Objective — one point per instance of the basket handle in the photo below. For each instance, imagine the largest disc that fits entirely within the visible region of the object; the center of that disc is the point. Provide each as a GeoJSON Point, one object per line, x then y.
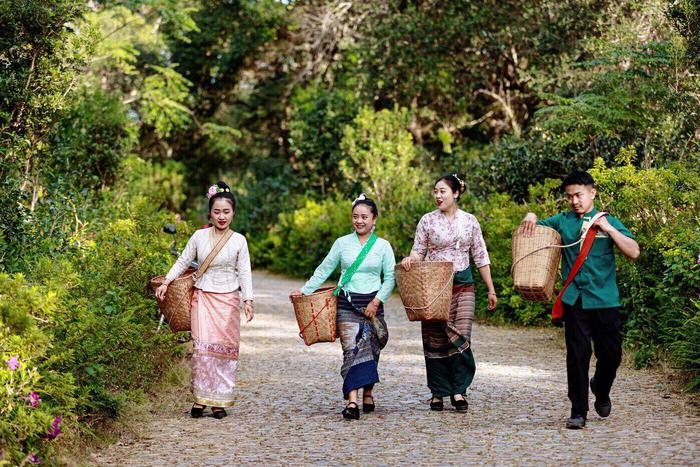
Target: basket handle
{"type": "Point", "coordinates": [313, 318]}
{"type": "Point", "coordinates": [543, 248]}
{"type": "Point", "coordinates": [447, 284]}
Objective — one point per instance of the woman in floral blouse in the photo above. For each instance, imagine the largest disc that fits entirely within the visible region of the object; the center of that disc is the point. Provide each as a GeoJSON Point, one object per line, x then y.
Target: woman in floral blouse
{"type": "Point", "coordinates": [450, 234]}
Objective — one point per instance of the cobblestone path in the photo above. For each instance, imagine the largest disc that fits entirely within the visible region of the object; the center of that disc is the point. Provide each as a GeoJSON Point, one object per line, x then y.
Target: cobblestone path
{"type": "Point", "coordinates": [289, 402]}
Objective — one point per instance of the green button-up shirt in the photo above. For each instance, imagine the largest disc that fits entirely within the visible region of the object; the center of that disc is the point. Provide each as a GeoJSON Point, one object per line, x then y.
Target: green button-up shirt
{"type": "Point", "coordinates": [368, 277]}
{"type": "Point", "coordinates": [596, 281]}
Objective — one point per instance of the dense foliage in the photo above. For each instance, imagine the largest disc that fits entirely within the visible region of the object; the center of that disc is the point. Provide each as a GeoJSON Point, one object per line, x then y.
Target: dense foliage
{"type": "Point", "coordinates": [115, 116]}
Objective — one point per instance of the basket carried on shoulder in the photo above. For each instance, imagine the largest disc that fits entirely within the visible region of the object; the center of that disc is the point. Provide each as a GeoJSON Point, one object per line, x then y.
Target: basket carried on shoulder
{"type": "Point", "coordinates": [426, 290]}
{"type": "Point", "coordinates": [536, 262]}
{"type": "Point", "coordinates": [178, 298]}
{"type": "Point", "coordinates": [316, 314]}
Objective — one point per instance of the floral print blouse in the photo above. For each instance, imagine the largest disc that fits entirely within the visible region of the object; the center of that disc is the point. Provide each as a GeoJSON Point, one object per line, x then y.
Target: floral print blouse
{"type": "Point", "coordinates": [439, 239]}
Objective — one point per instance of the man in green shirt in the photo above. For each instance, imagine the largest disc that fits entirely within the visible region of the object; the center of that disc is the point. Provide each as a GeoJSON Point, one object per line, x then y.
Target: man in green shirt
{"type": "Point", "coordinates": [591, 301]}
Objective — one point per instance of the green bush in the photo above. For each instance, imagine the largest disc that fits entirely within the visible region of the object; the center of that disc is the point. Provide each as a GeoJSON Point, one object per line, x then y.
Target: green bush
{"type": "Point", "coordinates": [80, 325]}
{"type": "Point", "coordinates": [302, 238]}
{"type": "Point", "coordinates": [34, 392]}
{"type": "Point", "coordinates": [87, 152]}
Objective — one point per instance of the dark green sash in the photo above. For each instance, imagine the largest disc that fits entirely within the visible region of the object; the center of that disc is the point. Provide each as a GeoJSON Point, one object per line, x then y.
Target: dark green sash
{"type": "Point", "coordinates": [356, 264]}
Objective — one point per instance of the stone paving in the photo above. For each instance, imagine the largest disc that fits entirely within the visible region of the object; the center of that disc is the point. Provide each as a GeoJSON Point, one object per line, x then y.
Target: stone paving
{"type": "Point", "coordinates": [289, 403]}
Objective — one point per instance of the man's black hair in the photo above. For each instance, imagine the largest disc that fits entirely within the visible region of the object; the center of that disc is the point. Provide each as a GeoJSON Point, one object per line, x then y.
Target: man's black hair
{"type": "Point", "coordinates": [577, 177]}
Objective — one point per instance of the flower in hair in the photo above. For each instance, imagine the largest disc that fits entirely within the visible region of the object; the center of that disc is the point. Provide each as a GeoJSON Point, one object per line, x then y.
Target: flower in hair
{"type": "Point", "coordinates": [362, 197]}
{"type": "Point", "coordinates": [214, 189]}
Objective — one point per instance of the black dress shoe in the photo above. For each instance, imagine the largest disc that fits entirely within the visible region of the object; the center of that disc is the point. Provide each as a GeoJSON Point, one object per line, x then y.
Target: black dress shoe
{"type": "Point", "coordinates": [436, 404]}
{"type": "Point", "coordinates": [351, 411]}
{"type": "Point", "coordinates": [218, 413]}
{"type": "Point", "coordinates": [461, 405]}
{"type": "Point", "coordinates": [576, 422]}
{"type": "Point", "coordinates": [196, 412]}
{"type": "Point", "coordinates": [602, 406]}
{"type": "Point", "coordinates": [367, 408]}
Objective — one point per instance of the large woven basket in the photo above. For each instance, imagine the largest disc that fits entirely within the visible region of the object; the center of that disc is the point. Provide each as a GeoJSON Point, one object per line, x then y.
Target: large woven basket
{"type": "Point", "coordinates": [426, 290]}
{"type": "Point", "coordinates": [177, 303]}
{"type": "Point", "coordinates": [316, 314]}
{"type": "Point", "coordinates": [535, 263]}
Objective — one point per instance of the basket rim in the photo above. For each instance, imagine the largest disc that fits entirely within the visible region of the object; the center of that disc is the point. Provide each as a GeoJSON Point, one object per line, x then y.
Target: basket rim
{"type": "Point", "coordinates": [419, 263]}
{"type": "Point", "coordinates": [515, 231]}
{"type": "Point", "coordinates": [319, 291]}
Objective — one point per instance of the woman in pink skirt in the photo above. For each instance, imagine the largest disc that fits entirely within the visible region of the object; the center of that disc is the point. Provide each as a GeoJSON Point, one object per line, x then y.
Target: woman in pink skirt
{"type": "Point", "coordinates": [216, 304]}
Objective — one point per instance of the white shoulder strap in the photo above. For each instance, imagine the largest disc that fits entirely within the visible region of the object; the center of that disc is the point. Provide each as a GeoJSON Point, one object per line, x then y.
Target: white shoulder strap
{"type": "Point", "coordinates": [587, 224]}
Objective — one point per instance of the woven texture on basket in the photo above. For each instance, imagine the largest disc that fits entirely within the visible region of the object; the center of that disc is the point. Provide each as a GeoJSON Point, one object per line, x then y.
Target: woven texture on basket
{"type": "Point", "coordinates": [535, 272]}
{"type": "Point", "coordinates": [178, 298]}
{"type": "Point", "coordinates": [316, 315]}
{"type": "Point", "coordinates": [426, 290]}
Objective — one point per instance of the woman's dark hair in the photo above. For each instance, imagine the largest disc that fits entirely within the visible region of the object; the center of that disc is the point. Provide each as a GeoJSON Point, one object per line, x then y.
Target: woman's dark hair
{"type": "Point", "coordinates": [224, 193]}
{"type": "Point", "coordinates": [362, 199]}
{"type": "Point", "coordinates": [577, 177]}
{"type": "Point", "coordinates": [455, 184]}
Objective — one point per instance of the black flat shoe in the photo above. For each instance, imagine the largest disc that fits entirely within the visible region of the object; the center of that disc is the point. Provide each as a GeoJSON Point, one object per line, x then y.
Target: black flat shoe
{"type": "Point", "coordinates": [602, 405]}
{"type": "Point", "coordinates": [436, 404]}
{"type": "Point", "coordinates": [367, 408]}
{"type": "Point", "coordinates": [351, 411]}
{"type": "Point", "coordinates": [461, 405]}
{"type": "Point", "coordinates": [197, 412]}
{"type": "Point", "coordinates": [218, 413]}
{"type": "Point", "coordinates": [576, 422]}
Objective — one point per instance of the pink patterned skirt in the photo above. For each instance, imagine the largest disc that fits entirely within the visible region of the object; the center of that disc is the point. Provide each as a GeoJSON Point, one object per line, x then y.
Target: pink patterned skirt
{"type": "Point", "coordinates": [216, 334]}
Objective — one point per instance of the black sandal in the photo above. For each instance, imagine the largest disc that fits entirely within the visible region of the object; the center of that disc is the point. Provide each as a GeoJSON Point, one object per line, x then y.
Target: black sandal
{"type": "Point", "coordinates": [351, 413]}
{"type": "Point", "coordinates": [436, 404]}
{"type": "Point", "coordinates": [460, 405]}
{"type": "Point", "coordinates": [218, 413]}
{"type": "Point", "coordinates": [197, 412]}
{"type": "Point", "coordinates": [366, 408]}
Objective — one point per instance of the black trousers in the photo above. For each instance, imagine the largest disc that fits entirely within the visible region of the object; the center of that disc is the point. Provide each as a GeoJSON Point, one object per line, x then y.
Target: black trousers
{"type": "Point", "coordinates": [604, 326]}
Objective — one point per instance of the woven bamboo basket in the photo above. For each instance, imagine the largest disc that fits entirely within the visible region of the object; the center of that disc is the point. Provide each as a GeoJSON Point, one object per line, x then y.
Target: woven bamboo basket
{"type": "Point", "coordinates": [535, 263]}
{"type": "Point", "coordinates": [177, 303]}
{"type": "Point", "coordinates": [316, 314]}
{"type": "Point", "coordinates": [426, 290]}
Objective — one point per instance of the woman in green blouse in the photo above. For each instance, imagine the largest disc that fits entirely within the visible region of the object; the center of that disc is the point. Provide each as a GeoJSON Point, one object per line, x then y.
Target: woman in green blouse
{"type": "Point", "coordinates": [364, 258]}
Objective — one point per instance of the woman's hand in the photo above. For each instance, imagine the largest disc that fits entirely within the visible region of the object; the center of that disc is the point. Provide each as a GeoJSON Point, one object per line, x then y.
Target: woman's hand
{"type": "Point", "coordinates": [248, 310]}
{"type": "Point", "coordinates": [408, 261]}
{"type": "Point", "coordinates": [372, 307]}
{"type": "Point", "coordinates": [493, 301]}
{"type": "Point", "coordinates": [160, 292]}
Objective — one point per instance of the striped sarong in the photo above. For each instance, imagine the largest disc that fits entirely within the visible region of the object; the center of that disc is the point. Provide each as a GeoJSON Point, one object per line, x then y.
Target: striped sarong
{"type": "Point", "coordinates": [362, 340]}
{"type": "Point", "coordinates": [449, 360]}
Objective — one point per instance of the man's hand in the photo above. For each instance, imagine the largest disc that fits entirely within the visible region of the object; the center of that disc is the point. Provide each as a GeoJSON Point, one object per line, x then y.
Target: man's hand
{"type": "Point", "coordinates": [604, 225]}
{"type": "Point", "coordinates": [527, 226]}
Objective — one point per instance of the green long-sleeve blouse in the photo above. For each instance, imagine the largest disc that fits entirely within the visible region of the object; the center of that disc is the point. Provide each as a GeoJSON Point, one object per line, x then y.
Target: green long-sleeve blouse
{"type": "Point", "coordinates": [379, 262]}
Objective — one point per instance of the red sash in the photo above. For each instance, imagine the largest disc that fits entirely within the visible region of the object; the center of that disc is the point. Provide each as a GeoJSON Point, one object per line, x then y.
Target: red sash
{"type": "Point", "coordinates": [558, 308]}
